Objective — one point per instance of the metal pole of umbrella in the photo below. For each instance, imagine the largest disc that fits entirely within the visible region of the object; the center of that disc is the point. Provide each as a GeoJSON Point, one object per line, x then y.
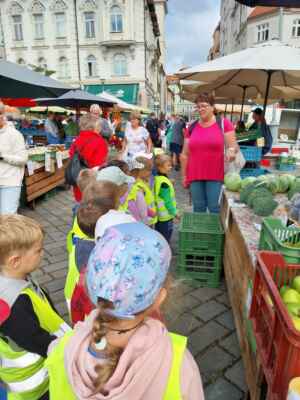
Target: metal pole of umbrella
{"type": "Point", "coordinates": [243, 102]}
{"type": "Point", "coordinates": [225, 111]}
{"type": "Point", "coordinates": [232, 109]}
{"type": "Point", "coordinates": [270, 73]}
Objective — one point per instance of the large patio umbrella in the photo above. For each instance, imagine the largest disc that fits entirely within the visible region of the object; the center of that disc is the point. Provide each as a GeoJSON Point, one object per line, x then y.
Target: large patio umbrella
{"type": "Point", "coordinates": [272, 64]}
{"type": "Point", "coordinates": [237, 94]}
{"type": "Point", "coordinates": [270, 3]}
{"type": "Point", "coordinates": [21, 82]}
{"type": "Point", "coordinates": [75, 99]}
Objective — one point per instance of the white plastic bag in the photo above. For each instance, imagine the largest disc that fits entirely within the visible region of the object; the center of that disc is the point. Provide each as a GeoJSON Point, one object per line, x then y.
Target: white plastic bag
{"type": "Point", "coordinates": [236, 165]}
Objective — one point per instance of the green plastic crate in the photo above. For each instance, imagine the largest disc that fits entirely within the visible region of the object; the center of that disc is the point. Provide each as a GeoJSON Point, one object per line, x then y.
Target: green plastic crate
{"type": "Point", "coordinates": [274, 236]}
{"type": "Point", "coordinates": [200, 269]}
{"type": "Point", "coordinates": [201, 232]}
{"type": "Point", "coordinates": [247, 136]}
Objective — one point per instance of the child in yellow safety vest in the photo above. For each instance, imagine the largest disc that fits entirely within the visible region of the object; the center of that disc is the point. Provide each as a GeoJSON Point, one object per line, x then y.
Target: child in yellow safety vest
{"type": "Point", "coordinates": [85, 178]}
{"type": "Point", "coordinates": [28, 321]}
{"type": "Point", "coordinates": [97, 199]}
{"type": "Point", "coordinates": [164, 196]}
{"type": "Point", "coordinates": [119, 351]}
{"type": "Point", "coordinates": [139, 200]}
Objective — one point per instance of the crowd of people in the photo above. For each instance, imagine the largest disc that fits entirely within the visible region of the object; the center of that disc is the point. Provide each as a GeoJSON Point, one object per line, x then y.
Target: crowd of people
{"type": "Point", "coordinates": [117, 345]}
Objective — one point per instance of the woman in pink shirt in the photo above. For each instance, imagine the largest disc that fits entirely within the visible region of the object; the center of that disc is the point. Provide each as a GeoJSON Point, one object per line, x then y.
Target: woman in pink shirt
{"type": "Point", "coordinates": [203, 155]}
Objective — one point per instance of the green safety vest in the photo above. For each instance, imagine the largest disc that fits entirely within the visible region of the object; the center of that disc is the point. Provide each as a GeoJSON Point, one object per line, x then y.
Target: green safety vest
{"type": "Point", "coordinates": [59, 380]}
{"type": "Point", "coordinates": [163, 214]}
{"type": "Point", "coordinates": [149, 198]}
{"type": "Point", "coordinates": [75, 231]}
{"type": "Point", "coordinates": [23, 372]}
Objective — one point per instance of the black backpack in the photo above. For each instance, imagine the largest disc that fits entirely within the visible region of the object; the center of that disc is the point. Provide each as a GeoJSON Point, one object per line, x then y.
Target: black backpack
{"type": "Point", "coordinates": [219, 121]}
{"type": "Point", "coordinates": [75, 165]}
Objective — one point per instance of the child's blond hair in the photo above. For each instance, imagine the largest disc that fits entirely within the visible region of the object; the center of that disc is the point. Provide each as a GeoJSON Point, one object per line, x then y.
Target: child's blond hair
{"type": "Point", "coordinates": [18, 234]}
{"type": "Point", "coordinates": [161, 160]}
{"type": "Point", "coordinates": [85, 177]}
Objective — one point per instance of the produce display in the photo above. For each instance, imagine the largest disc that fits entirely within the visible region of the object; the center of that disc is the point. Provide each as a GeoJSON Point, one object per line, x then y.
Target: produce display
{"type": "Point", "coordinates": [291, 298]}
{"type": "Point", "coordinates": [258, 193]}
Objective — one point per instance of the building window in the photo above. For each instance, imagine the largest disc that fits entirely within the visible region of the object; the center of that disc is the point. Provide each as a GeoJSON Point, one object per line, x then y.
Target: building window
{"type": "Point", "coordinates": [38, 26]}
{"type": "Point", "coordinates": [296, 28]}
{"type": "Point", "coordinates": [263, 32]}
{"type": "Point", "coordinates": [89, 24]}
{"type": "Point", "coordinates": [21, 61]}
{"type": "Point", "coordinates": [116, 20]}
{"type": "Point", "coordinates": [42, 63]}
{"type": "Point", "coordinates": [18, 27]}
{"type": "Point", "coordinates": [60, 24]}
{"type": "Point", "coordinates": [120, 64]}
{"type": "Point", "coordinates": [63, 68]}
{"type": "Point", "coordinates": [92, 66]}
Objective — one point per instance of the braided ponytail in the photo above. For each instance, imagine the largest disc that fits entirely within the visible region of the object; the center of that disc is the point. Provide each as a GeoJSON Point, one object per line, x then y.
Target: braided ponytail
{"type": "Point", "coordinates": [112, 353]}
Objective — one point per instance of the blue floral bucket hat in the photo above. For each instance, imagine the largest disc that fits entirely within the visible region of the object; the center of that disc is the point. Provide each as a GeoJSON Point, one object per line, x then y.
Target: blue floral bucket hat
{"type": "Point", "coordinates": [128, 267]}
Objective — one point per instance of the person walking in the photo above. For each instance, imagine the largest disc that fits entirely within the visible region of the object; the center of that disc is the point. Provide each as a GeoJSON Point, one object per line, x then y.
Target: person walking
{"type": "Point", "coordinates": [13, 158]}
{"type": "Point", "coordinates": [152, 126]}
{"type": "Point", "coordinates": [203, 158]}
{"type": "Point", "coordinates": [137, 139]}
{"type": "Point", "coordinates": [90, 145]}
{"type": "Point", "coordinates": [178, 132]}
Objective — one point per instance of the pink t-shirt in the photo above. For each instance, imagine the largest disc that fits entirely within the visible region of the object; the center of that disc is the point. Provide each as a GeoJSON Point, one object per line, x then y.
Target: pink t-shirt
{"type": "Point", "coordinates": [206, 153]}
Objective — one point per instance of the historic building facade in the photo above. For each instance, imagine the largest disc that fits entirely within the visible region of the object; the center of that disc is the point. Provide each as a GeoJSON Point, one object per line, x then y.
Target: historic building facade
{"type": "Point", "coordinates": [112, 45]}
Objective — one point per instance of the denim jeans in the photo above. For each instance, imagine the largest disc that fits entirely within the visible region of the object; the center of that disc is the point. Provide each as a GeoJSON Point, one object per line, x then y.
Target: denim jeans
{"type": "Point", "coordinates": [205, 195]}
{"type": "Point", "coordinates": [165, 229]}
{"type": "Point", "coordinates": [9, 199]}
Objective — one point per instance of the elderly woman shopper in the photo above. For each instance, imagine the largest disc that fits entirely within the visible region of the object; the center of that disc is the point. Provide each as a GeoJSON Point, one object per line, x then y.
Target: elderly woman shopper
{"type": "Point", "coordinates": [90, 145]}
{"type": "Point", "coordinates": [137, 139]}
{"type": "Point", "coordinates": [13, 157]}
{"type": "Point", "coordinates": [207, 143]}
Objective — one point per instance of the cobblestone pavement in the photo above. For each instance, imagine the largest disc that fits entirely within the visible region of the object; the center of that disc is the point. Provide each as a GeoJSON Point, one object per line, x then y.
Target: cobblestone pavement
{"type": "Point", "coordinates": [203, 314]}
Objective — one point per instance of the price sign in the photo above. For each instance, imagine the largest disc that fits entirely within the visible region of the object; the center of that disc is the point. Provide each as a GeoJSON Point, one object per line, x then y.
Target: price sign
{"type": "Point", "coordinates": [30, 167]}
{"type": "Point", "coordinates": [47, 162]}
{"type": "Point", "coordinates": [59, 159]}
{"type": "Point", "coordinates": [260, 142]}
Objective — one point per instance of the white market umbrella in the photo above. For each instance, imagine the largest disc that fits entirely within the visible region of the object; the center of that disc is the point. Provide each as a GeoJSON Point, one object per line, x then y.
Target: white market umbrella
{"type": "Point", "coordinates": [118, 102]}
{"type": "Point", "coordinates": [237, 94]}
{"type": "Point", "coordinates": [272, 64]}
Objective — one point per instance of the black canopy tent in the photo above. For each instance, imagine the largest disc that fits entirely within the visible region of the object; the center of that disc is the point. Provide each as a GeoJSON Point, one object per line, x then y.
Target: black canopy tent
{"type": "Point", "coordinates": [271, 3]}
{"type": "Point", "coordinates": [17, 82]}
{"type": "Point", "coordinates": [75, 99]}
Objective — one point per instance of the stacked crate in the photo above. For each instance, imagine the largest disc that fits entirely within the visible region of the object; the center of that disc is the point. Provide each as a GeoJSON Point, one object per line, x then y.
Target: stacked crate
{"type": "Point", "coordinates": [201, 247]}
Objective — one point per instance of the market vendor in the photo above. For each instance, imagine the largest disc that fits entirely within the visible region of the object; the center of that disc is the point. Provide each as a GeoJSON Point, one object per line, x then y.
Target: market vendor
{"type": "Point", "coordinates": [51, 129]}
{"type": "Point", "coordinates": [260, 123]}
{"type": "Point", "coordinates": [13, 158]}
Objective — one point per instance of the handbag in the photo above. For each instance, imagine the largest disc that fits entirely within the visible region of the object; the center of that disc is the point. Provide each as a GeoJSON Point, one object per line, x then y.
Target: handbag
{"type": "Point", "coordinates": [75, 165]}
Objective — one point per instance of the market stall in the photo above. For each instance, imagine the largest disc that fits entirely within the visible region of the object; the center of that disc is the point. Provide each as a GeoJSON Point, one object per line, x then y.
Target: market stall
{"type": "Point", "coordinates": [45, 170]}
{"type": "Point", "coordinates": [245, 234]}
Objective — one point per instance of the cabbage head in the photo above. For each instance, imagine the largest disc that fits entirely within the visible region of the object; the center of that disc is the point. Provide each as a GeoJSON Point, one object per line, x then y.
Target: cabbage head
{"type": "Point", "coordinates": [233, 182]}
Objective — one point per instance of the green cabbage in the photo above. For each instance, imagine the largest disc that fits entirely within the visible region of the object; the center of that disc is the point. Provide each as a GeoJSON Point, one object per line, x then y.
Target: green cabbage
{"type": "Point", "coordinates": [233, 182]}
{"type": "Point", "coordinates": [283, 183]}
{"type": "Point", "coordinates": [247, 181]}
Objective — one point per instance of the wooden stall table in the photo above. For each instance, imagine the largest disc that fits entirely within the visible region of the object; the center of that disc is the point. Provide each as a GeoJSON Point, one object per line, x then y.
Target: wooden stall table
{"type": "Point", "coordinates": [242, 231]}
{"type": "Point", "coordinates": [38, 181]}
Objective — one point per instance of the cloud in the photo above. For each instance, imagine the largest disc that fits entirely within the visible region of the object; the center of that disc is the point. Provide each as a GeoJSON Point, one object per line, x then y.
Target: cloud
{"type": "Point", "coordinates": [189, 28]}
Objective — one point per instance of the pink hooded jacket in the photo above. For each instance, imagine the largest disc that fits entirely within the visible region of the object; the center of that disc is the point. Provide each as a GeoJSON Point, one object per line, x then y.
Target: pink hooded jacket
{"type": "Point", "coordinates": [142, 372]}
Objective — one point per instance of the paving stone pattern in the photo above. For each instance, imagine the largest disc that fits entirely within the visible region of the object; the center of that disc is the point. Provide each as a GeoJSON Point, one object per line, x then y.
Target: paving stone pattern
{"type": "Point", "coordinates": [203, 314]}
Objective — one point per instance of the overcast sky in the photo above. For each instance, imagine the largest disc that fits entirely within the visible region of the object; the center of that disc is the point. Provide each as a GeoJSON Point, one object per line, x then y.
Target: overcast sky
{"type": "Point", "coordinates": [190, 25]}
